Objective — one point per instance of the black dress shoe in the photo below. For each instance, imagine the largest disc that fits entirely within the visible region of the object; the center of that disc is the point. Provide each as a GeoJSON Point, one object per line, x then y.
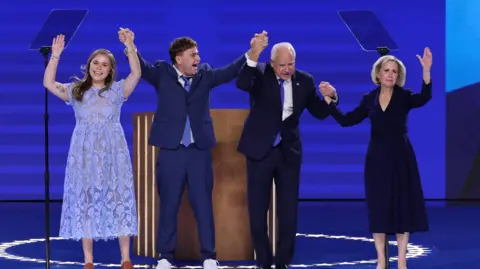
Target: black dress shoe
{"type": "Point", "coordinates": [281, 266]}
{"type": "Point", "coordinates": [265, 266]}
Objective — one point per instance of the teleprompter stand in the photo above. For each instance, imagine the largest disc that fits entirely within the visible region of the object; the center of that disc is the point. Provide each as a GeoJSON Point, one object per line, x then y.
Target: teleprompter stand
{"type": "Point", "coordinates": [59, 21]}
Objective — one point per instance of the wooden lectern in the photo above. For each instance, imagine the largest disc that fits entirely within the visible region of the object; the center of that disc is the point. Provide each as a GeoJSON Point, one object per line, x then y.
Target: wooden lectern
{"type": "Point", "coordinates": [232, 230]}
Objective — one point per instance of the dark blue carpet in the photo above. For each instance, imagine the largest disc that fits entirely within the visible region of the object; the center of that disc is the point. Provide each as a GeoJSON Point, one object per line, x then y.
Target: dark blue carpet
{"type": "Point", "coordinates": [331, 235]}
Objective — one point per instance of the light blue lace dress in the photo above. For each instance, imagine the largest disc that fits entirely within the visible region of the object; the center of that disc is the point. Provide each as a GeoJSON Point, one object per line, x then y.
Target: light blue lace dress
{"type": "Point", "coordinates": [99, 197]}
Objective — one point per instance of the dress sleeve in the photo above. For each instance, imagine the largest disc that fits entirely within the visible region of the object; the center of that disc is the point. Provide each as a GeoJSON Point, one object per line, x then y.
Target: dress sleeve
{"type": "Point", "coordinates": [417, 100]}
{"type": "Point", "coordinates": [69, 88]}
{"type": "Point", "coordinates": [354, 117]}
{"type": "Point", "coordinates": [117, 87]}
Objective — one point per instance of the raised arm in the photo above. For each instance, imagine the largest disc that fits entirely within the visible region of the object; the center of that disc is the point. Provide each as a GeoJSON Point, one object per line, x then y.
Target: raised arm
{"type": "Point", "coordinates": [354, 117]}
{"type": "Point", "coordinates": [317, 107]}
{"type": "Point", "coordinates": [251, 74]}
{"type": "Point", "coordinates": [135, 72]}
{"type": "Point", "coordinates": [227, 73]}
{"type": "Point", "coordinates": [149, 72]}
{"type": "Point", "coordinates": [417, 100]}
{"type": "Point", "coordinates": [49, 81]}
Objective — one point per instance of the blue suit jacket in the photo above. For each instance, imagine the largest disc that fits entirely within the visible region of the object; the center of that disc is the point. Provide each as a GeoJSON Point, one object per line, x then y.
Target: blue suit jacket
{"type": "Point", "coordinates": [175, 103]}
{"type": "Point", "coordinates": [264, 121]}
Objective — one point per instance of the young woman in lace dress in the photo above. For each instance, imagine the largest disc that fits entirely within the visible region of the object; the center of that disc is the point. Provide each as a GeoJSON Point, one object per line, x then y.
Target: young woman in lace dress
{"type": "Point", "coordinates": [99, 198]}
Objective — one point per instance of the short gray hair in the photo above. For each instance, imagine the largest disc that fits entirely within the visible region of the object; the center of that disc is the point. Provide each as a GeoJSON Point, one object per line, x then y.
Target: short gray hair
{"type": "Point", "coordinates": [275, 47]}
{"type": "Point", "coordinates": [402, 71]}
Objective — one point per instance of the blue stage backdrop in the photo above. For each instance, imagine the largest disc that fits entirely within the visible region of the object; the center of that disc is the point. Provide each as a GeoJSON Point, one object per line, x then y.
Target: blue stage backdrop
{"type": "Point", "coordinates": [463, 99]}
{"type": "Point", "coordinates": [333, 156]}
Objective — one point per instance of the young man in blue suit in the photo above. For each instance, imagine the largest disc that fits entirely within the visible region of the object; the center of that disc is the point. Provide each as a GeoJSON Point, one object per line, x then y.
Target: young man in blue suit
{"type": "Point", "coordinates": [271, 142]}
{"type": "Point", "coordinates": [182, 129]}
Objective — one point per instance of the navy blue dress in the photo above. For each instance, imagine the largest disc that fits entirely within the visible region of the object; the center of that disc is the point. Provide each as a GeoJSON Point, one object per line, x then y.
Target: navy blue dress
{"type": "Point", "coordinates": [393, 189]}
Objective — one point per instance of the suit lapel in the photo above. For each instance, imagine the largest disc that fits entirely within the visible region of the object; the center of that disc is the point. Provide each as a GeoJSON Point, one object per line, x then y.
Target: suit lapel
{"type": "Point", "coordinates": [172, 72]}
{"type": "Point", "coordinates": [274, 85]}
{"type": "Point", "coordinates": [195, 81]}
{"type": "Point", "coordinates": [295, 92]}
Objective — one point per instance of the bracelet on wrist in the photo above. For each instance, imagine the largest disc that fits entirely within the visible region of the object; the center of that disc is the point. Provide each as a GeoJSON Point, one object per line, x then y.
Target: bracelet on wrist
{"type": "Point", "coordinates": [127, 51]}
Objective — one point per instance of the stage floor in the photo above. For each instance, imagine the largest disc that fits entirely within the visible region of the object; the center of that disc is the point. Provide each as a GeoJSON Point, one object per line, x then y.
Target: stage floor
{"type": "Point", "coordinates": [331, 235]}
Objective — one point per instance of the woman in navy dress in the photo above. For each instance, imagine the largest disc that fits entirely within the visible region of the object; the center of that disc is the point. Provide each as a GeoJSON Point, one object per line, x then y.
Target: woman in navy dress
{"type": "Point", "coordinates": [393, 188]}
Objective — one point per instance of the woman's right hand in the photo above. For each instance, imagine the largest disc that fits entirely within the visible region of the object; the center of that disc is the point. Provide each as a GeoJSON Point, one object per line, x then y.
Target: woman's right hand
{"type": "Point", "coordinates": [326, 90]}
{"type": "Point", "coordinates": [328, 100]}
{"type": "Point", "coordinates": [57, 45]}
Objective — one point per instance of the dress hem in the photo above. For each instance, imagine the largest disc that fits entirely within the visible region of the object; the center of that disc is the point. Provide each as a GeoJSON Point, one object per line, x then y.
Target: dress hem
{"type": "Point", "coordinates": [400, 232]}
{"type": "Point", "coordinates": [98, 238]}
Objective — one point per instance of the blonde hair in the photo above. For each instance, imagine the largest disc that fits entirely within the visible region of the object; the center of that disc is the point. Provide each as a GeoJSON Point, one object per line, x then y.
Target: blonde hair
{"type": "Point", "coordinates": [402, 71]}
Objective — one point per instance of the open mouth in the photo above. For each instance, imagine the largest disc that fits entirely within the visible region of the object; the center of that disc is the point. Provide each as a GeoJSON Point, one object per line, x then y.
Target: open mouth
{"type": "Point", "coordinates": [195, 65]}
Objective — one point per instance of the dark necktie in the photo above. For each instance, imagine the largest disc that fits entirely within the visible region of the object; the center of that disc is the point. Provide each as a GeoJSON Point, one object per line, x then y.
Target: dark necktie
{"type": "Point", "coordinates": [186, 140]}
{"type": "Point", "coordinates": [282, 94]}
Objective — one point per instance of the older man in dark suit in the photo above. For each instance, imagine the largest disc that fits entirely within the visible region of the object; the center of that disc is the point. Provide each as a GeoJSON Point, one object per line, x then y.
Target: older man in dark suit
{"type": "Point", "coordinates": [271, 142]}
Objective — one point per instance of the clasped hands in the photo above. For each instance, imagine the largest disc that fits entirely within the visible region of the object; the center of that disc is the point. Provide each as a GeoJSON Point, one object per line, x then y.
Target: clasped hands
{"type": "Point", "coordinates": [328, 91]}
{"type": "Point", "coordinates": [260, 41]}
{"type": "Point", "coordinates": [126, 36]}
{"type": "Point", "coordinates": [257, 44]}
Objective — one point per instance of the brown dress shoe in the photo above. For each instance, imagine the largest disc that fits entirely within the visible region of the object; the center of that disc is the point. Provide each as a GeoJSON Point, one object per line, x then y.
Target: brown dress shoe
{"type": "Point", "coordinates": [127, 265]}
{"type": "Point", "coordinates": [88, 266]}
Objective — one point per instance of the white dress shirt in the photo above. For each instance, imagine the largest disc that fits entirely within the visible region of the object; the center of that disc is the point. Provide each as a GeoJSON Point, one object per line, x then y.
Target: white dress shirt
{"type": "Point", "coordinates": [287, 94]}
